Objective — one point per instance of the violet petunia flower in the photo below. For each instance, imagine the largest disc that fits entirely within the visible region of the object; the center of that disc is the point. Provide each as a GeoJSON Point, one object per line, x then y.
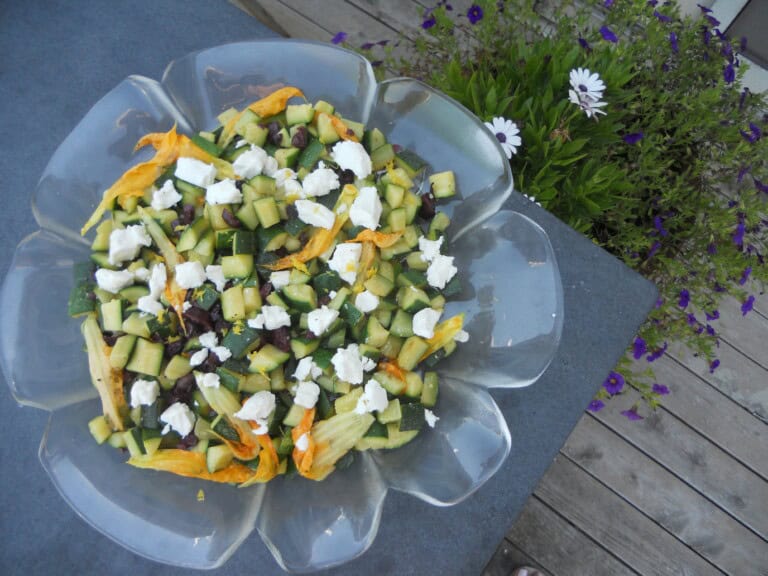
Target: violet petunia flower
{"type": "Point", "coordinates": [691, 319]}
{"type": "Point", "coordinates": [584, 44]}
{"type": "Point", "coordinates": [658, 223]}
{"type": "Point", "coordinates": [707, 35]}
{"type": "Point", "coordinates": [713, 21]}
{"type": "Point", "coordinates": [653, 3]}
{"type": "Point", "coordinates": [713, 365]}
{"type": "Point", "coordinates": [743, 172]}
{"type": "Point", "coordinates": [654, 248]}
{"type": "Point", "coordinates": [608, 3]}
{"type": "Point", "coordinates": [429, 22]}
{"type": "Point", "coordinates": [738, 235]}
{"type": "Point", "coordinates": [714, 315]}
{"type": "Point", "coordinates": [367, 46]}
{"type": "Point", "coordinates": [704, 9]}
{"type": "Point", "coordinates": [614, 383]}
{"type": "Point", "coordinates": [475, 14]}
{"type": "Point", "coordinates": [633, 138]}
{"type": "Point", "coordinates": [747, 305]}
{"type": "Point", "coordinates": [632, 414]}
{"type": "Point", "coordinates": [755, 133]}
{"type": "Point", "coordinates": [711, 331]}
{"type": "Point", "coordinates": [745, 275]}
{"type": "Point", "coordinates": [653, 356]}
{"type": "Point", "coordinates": [743, 98]}
{"type": "Point", "coordinates": [761, 186]}
{"type": "Point", "coordinates": [596, 405]}
{"type": "Point", "coordinates": [743, 44]}
{"type": "Point", "coordinates": [339, 38]}
{"type": "Point", "coordinates": [729, 74]}
{"type": "Point", "coordinates": [608, 34]}
{"type": "Point", "coordinates": [660, 389]}
{"type": "Point", "coordinates": [685, 299]}
{"type": "Point", "coordinates": [673, 42]}
{"type": "Point", "coordinates": [662, 17]}
{"type": "Point", "coordinates": [639, 348]}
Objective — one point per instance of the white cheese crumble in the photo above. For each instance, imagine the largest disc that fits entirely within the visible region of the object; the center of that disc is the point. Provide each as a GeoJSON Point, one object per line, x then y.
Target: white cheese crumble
{"type": "Point", "coordinates": [207, 379]}
{"type": "Point", "coordinates": [210, 341]}
{"type": "Point", "coordinates": [366, 302]}
{"type": "Point", "coordinates": [157, 280]}
{"type": "Point", "coordinates": [319, 320]}
{"type": "Point", "coordinates": [186, 306]}
{"type": "Point", "coordinates": [332, 294]}
{"type": "Point", "coordinates": [307, 394]}
{"type": "Point", "coordinates": [144, 392]}
{"type": "Point", "coordinates": [352, 156]}
{"type": "Point", "coordinates": [270, 318]}
{"type": "Point", "coordinates": [320, 182]}
{"type": "Point", "coordinates": [178, 417]}
{"type": "Point", "coordinates": [198, 357]}
{"type": "Point", "coordinates": [430, 417]}
{"type": "Point", "coordinates": [113, 280]}
{"type": "Point", "coordinates": [280, 280]}
{"type": "Point", "coordinates": [141, 274]}
{"type": "Point", "coordinates": [366, 208]}
{"type": "Point", "coordinates": [250, 163]}
{"type": "Point", "coordinates": [125, 243]}
{"type": "Point", "coordinates": [257, 409]}
{"type": "Point", "coordinates": [429, 248]}
{"type": "Point", "coordinates": [424, 322]}
{"type": "Point", "coordinates": [345, 259]}
{"type": "Point", "coordinates": [190, 275]}
{"type": "Point", "coordinates": [165, 197]}
{"type": "Point", "coordinates": [307, 370]}
{"type": "Point", "coordinates": [461, 336]}
{"type": "Point", "coordinates": [195, 172]}
{"type": "Point", "coordinates": [223, 192]}
{"type": "Point", "coordinates": [285, 180]}
{"type": "Point", "coordinates": [302, 443]}
{"type": "Point", "coordinates": [315, 214]}
{"type": "Point", "coordinates": [349, 364]}
{"type": "Point", "coordinates": [149, 305]}
{"type": "Point", "coordinates": [440, 271]}
{"type": "Point", "coordinates": [374, 398]}
{"type": "Point", "coordinates": [215, 274]}
{"type": "Point", "coordinates": [270, 167]}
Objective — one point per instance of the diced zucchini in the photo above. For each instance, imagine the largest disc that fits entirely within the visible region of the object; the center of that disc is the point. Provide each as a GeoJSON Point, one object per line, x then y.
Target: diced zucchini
{"type": "Point", "coordinates": [373, 139]}
{"type": "Point", "coordinates": [299, 114]}
{"type": "Point", "coordinates": [233, 304]}
{"type": "Point", "coordinates": [302, 347]}
{"type": "Point", "coordinates": [294, 415]}
{"type": "Point", "coordinates": [334, 438]}
{"type": "Point", "coordinates": [391, 413]}
{"type": "Point", "coordinates": [267, 359]}
{"type": "Point", "coordinates": [287, 157]}
{"type": "Point", "coordinates": [382, 156]}
{"type": "Point", "coordinates": [147, 357]}
{"type": "Point", "coordinates": [376, 334]}
{"type": "Point", "coordinates": [438, 225]}
{"type": "Point", "coordinates": [134, 442]}
{"type": "Point", "coordinates": [100, 429]}
{"type": "Point", "coordinates": [205, 296]}
{"type": "Point", "coordinates": [266, 211]}
{"type": "Point", "coordinates": [413, 384]}
{"type": "Point", "coordinates": [218, 457]}
{"type": "Point", "coordinates": [302, 297]}
{"type": "Point", "coordinates": [412, 299]}
{"type": "Point", "coordinates": [411, 352]}
{"type": "Point", "coordinates": [177, 367]}
{"type": "Point", "coordinates": [243, 242]}
{"type": "Point", "coordinates": [402, 324]}
{"type": "Point", "coordinates": [240, 340]}
{"type": "Point", "coordinates": [348, 402]}
{"type": "Point", "coordinates": [311, 154]}
{"type": "Point", "coordinates": [429, 390]}
{"type": "Point", "coordinates": [412, 417]}
{"type": "Point", "coordinates": [137, 325]}
{"type": "Point", "coordinates": [192, 234]}
{"type": "Point", "coordinates": [326, 132]}
{"type": "Point", "coordinates": [390, 382]}
{"type": "Point", "coordinates": [121, 351]}
{"type": "Point", "coordinates": [443, 184]}
{"type": "Point", "coordinates": [239, 266]}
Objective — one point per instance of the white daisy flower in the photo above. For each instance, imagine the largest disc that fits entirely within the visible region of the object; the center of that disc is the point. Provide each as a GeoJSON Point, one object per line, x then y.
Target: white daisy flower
{"type": "Point", "coordinates": [587, 84]}
{"type": "Point", "coordinates": [506, 133]}
{"type": "Point", "coordinates": [590, 107]}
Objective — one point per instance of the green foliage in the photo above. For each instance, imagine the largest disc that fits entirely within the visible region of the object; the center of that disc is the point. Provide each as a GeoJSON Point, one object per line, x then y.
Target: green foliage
{"type": "Point", "coordinates": [669, 205]}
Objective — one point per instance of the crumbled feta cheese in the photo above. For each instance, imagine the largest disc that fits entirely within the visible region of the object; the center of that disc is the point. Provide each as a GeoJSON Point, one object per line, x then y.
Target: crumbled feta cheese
{"type": "Point", "coordinates": [209, 339]}
{"type": "Point", "coordinates": [141, 273]}
{"type": "Point", "coordinates": [430, 417]}
{"type": "Point", "coordinates": [186, 306]}
{"type": "Point", "coordinates": [149, 305]}
{"type": "Point", "coordinates": [366, 208]}
{"type": "Point", "coordinates": [374, 398]}
{"type": "Point", "coordinates": [270, 167]}
{"type": "Point", "coordinates": [125, 243]}
{"type": "Point", "coordinates": [352, 156]}
{"type": "Point", "coordinates": [424, 322]}
{"type": "Point", "coordinates": [319, 320]}
{"type": "Point", "coordinates": [270, 318]}
{"type": "Point", "coordinates": [195, 172]}
{"type": "Point", "coordinates": [157, 280]}
{"type": "Point", "coordinates": [280, 280]}
{"type": "Point", "coordinates": [332, 294]}
{"type": "Point", "coordinates": [224, 192]}
{"type": "Point", "coordinates": [320, 182]}
{"type": "Point", "coordinates": [113, 280]}
{"type": "Point", "coordinates": [368, 363]}
{"type": "Point", "coordinates": [190, 275]}
{"type": "Point", "coordinates": [366, 302]}
{"type": "Point", "coordinates": [349, 364]}
{"type": "Point", "coordinates": [306, 370]}
{"type": "Point", "coordinates": [240, 143]}
{"type": "Point", "coordinates": [144, 392]}
{"type": "Point", "coordinates": [302, 443]}
{"type": "Point", "coordinates": [207, 379]}
{"type": "Point", "coordinates": [165, 197]}
{"type": "Point", "coordinates": [210, 342]}
{"type": "Point", "coordinates": [250, 163]}
{"type": "Point", "coordinates": [258, 408]}
{"type": "Point", "coordinates": [315, 214]}
{"type": "Point", "coordinates": [198, 357]}
{"type": "Point", "coordinates": [440, 271]}
{"type": "Point", "coordinates": [345, 259]}
{"type": "Point", "coordinates": [215, 274]}
{"type": "Point", "coordinates": [429, 248]}
{"type": "Point", "coordinates": [293, 189]}
{"type": "Point", "coordinates": [282, 176]}
{"type": "Point", "coordinates": [307, 394]}
{"type": "Point", "coordinates": [178, 417]}
{"type": "Point", "coordinates": [461, 336]}
{"type": "Point", "coordinates": [222, 352]}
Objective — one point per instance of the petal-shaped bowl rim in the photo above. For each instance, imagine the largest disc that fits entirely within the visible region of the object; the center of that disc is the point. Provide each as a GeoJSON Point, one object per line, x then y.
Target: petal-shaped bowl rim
{"type": "Point", "coordinates": [371, 98]}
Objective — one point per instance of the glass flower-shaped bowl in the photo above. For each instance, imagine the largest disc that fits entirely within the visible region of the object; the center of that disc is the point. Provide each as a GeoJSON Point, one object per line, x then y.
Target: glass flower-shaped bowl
{"type": "Point", "coordinates": [512, 298]}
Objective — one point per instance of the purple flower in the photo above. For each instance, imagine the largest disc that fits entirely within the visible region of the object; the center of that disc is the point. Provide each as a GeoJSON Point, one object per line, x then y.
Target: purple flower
{"type": "Point", "coordinates": [743, 98]}
{"type": "Point", "coordinates": [743, 172]}
{"type": "Point", "coordinates": [653, 3]}
{"type": "Point", "coordinates": [738, 235]}
{"type": "Point", "coordinates": [632, 414]}
{"type": "Point", "coordinates": [475, 14]}
{"type": "Point", "coordinates": [608, 34]}
{"type": "Point", "coordinates": [743, 44]}
{"type": "Point", "coordinates": [715, 22]}
{"type": "Point", "coordinates": [704, 9]}
{"type": "Point", "coordinates": [691, 319]}
{"type": "Point", "coordinates": [685, 298]}
{"type": "Point", "coordinates": [707, 35]}
{"type": "Point", "coordinates": [367, 46]}
{"type": "Point", "coordinates": [729, 74]}
{"type": "Point", "coordinates": [711, 331]}
{"type": "Point", "coordinates": [660, 389]}
{"type": "Point", "coordinates": [727, 51]}
{"type": "Point", "coordinates": [745, 275]}
{"type": "Point", "coordinates": [596, 406]}
{"type": "Point", "coordinates": [654, 248]}
{"type": "Point", "coordinates": [633, 138]}
{"type": "Point", "coordinates": [658, 223]}
{"type": "Point", "coordinates": [382, 42]}
{"type": "Point", "coordinates": [659, 303]}
{"type": "Point", "coordinates": [662, 17]}
{"type": "Point", "coordinates": [713, 365]}
{"type": "Point", "coordinates": [711, 248]}
{"type": "Point", "coordinates": [614, 383]}
{"type": "Point", "coordinates": [639, 348]}
{"type": "Point", "coordinates": [653, 356]}
{"type": "Point", "coordinates": [339, 38]}
{"type": "Point", "coordinates": [377, 63]}
{"type": "Point", "coordinates": [429, 22]}
{"type": "Point", "coordinates": [608, 3]}
{"type": "Point", "coordinates": [762, 187]}
{"type": "Point", "coordinates": [755, 133]}
{"type": "Point", "coordinates": [714, 315]}
{"type": "Point", "coordinates": [584, 44]}
{"type": "Point", "coordinates": [747, 306]}
{"type": "Point", "coordinates": [673, 42]}
{"type": "Point", "coordinates": [718, 288]}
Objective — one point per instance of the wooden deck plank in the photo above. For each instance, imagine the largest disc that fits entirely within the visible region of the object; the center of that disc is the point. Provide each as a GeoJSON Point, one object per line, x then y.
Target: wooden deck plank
{"type": "Point", "coordinates": [620, 528]}
{"type": "Point", "coordinates": [402, 15]}
{"type": "Point", "coordinates": [745, 333]}
{"type": "Point", "coordinates": [741, 379]}
{"type": "Point", "coordinates": [506, 558]}
{"type": "Point", "coordinates": [282, 19]}
{"type": "Point", "coordinates": [714, 416]}
{"type": "Point", "coordinates": [698, 462]}
{"type": "Point", "coordinates": [665, 499]}
{"type": "Point", "coordinates": [559, 547]}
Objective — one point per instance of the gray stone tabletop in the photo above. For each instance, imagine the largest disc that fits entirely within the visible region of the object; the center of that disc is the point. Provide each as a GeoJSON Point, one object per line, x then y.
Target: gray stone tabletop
{"type": "Point", "coordinates": [59, 58]}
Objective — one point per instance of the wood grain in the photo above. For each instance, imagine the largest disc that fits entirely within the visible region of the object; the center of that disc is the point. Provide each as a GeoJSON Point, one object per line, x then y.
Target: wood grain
{"type": "Point", "coordinates": [283, 20]}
